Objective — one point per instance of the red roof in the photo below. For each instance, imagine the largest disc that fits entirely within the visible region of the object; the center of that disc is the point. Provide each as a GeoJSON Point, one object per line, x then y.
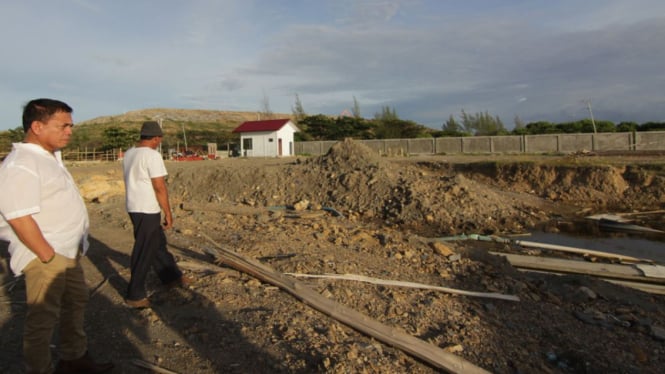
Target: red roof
{"type": "Point", "coordinates": [267, 125]}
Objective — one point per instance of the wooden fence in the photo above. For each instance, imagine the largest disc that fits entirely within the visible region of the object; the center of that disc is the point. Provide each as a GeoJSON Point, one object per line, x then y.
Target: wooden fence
{"type": "Point", "coordinates": [84, 155]}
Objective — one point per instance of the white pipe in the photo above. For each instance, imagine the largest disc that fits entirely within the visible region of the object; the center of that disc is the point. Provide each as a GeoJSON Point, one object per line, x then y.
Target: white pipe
{"type": "Point", "coordinates": [564, 248]}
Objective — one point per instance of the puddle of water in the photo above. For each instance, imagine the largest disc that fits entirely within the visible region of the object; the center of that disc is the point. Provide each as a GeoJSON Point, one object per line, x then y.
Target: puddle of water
{"type": "Point", "coordinates": [588, 235]}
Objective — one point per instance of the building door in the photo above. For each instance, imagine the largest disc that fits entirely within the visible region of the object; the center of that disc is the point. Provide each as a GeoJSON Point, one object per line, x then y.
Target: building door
{"type": "Point", "coordinates": [279, 147]}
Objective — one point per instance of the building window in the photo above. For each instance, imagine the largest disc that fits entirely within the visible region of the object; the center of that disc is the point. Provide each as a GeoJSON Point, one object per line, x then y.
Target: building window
{"type": "Point", "coordinates": [247, 143]}
{"type": "Point", "coordinates": [269, 140]}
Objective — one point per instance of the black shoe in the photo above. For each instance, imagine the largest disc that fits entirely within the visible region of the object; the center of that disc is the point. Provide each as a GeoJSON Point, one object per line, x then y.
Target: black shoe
{"type": "Point", "coordinates": [82, 365]}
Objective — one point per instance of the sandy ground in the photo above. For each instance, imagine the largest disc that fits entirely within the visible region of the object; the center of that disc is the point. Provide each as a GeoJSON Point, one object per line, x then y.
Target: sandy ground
{"type": "Point", "coordinates": [352, 212]}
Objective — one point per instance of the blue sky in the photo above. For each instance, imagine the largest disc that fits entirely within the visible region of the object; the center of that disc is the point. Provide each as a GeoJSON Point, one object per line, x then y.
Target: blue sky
{"type": "Point", "coordinates": [427, 59]}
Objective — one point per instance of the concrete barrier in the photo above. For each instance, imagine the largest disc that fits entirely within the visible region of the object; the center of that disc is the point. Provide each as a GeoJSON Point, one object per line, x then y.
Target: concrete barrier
{"type": "Point", "coordinates": [650, 141]}
{"type": "Point", "coordinates": [448, 145]}
{"type": "Point", "coordinates": [570, 143]}
{"type": "Point", "coordinates": [547, 143]}
{"type": "Point", "coordinates": [619, 141]}
{"type": "Point", "coordinates": [541, 143]}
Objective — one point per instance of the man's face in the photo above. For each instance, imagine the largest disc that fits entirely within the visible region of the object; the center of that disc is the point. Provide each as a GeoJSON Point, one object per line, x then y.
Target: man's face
{"type": "Point", "coordinates": [56, 132]}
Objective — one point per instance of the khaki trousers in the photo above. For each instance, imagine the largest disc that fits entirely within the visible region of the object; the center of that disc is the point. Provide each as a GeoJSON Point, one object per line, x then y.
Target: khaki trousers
{"type": "Point", "coordinates": [55, 292]}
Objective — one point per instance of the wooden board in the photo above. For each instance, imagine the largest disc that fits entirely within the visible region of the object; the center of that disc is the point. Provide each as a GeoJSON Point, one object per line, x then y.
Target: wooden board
{"type": "Point", "coordinates": [610, 271]}
{"type": "Point", "coordinates": [352, 318]}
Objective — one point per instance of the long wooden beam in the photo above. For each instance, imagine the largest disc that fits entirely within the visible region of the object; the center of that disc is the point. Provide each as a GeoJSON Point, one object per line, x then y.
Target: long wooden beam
{"type": "Point", "coordinates": [609, 271]}
{"type": "Point", "coordinates": [390, 282]}
{"type": "Point", "coordinates": [352, 318]}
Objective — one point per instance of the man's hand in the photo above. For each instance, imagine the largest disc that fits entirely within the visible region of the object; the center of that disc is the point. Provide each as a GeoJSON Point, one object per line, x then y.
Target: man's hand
{"type": "Point", "coordinates": [162, 194]}
{"type": "Point", "coordinates": [30, 234]}
{"type": "Point", "coordinates": [168, 222]}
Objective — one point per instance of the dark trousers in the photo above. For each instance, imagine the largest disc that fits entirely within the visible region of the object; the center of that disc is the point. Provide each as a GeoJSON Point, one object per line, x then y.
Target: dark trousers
{"type": "Point", "coordinates": [149, 251]}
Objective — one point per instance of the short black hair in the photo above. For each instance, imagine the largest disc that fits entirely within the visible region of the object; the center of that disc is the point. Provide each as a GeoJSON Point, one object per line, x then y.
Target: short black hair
{"type": "Point", "coordinates": [41, 110]}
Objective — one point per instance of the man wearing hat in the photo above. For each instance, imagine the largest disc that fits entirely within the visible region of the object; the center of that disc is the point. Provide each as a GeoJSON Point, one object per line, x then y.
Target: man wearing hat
{"type": "Point", "coordinates": [146, 198]}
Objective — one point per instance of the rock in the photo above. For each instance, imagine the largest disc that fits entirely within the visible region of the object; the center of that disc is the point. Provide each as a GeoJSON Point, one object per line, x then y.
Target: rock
{"type": "Point", "coordinates": [301, 205]}
{"type": "Point", "coordinates": [441, 249]}
{"type": "Point", "coordinates": [658, 333]}
{"type": "Point", "coordinates": [457, 348]}
{"type": "Point", "coordinates": [455, 257]}
{"type": "Point", "coordinates": [100, 188]}
{"type": "Point", "coordinates": [588, 292]}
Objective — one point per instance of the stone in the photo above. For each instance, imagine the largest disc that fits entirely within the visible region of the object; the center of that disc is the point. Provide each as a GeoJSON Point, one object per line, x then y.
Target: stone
{"type": "Point", "coordinates": [441, 249]}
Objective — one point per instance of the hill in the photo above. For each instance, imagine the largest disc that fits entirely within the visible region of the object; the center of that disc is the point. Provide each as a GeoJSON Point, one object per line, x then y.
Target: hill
{"type": "Point", "coordinates": [173, 120]}
{"type": "Point", "coordinates": [168, 115]}
{"type": "Point", "coordinates": [181, 126]}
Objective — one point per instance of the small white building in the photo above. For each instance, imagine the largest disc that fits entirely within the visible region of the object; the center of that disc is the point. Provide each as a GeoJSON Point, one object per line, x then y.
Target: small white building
{"type": "Point", "coordinates": [269, 138]}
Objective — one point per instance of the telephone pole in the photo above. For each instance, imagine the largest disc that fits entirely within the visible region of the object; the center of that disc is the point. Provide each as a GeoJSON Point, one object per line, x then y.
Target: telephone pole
{"type": "Point", "coordinates": [588, 105]}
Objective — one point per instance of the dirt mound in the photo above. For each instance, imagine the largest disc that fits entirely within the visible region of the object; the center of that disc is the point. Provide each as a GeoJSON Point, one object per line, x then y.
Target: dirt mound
{"type": "Point", "coordinates": [348, 155]}
{"type": "Point", "coordinates": [611, 187]}
{"type": "Point", "coordinates": [429, 198]}
{"type": "Point", "coordinates": [350, 177]}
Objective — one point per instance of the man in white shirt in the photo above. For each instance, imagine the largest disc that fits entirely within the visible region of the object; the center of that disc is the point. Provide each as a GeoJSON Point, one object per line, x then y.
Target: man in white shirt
{"type": "Point", "coordinates": [45, 221]}
{"type": "Point", "coordinates": [146, 197]}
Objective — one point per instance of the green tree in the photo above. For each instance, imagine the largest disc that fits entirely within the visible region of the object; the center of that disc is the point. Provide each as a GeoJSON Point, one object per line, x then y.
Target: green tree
{"type": "Point", "coordinates": [387, 114]}
{"type": "Point", "coordinates": [605, 126]}
{"type": "Point", "coordinates": [344, 127]}
{"type": "Point", "coordinates": [451, 128]}
{"type": "Point", "coordinates": [482, 123]}
{"type": "Point", "coordinates": [400, 129]}
{"type": "Point", "coordinates": [519, 124]}
{"type": "Point", "coordinates": [17, 134]}
{"type": "Point", "coordinates": [319, 127]}
{"type": "Point", "coordinates": [80, 138]}
{"type": "Point", "coordinates": [10, 136]}
{"type": "Point", "coordinates": [116, 137]}
{"type": "Point", "coordinates": [451, 125]}
{"type": "Point", "coordinates": [627, 126]}
{"type": "Point", "coordinates": [540, 127]}
{"type": "Point", "coordinates": [356, 109]}
{"type": "Point", "coordinates": [652, 126]}
{"type": "Point", "coordinates": [298, 111]}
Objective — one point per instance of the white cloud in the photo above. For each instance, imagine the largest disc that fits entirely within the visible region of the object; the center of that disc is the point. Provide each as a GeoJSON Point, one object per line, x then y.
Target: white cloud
{"type": "Point", "coordinates": [428, 59]}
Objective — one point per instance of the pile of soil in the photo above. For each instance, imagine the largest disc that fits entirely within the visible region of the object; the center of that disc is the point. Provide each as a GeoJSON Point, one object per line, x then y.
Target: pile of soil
{"type": "Point", "coordinates": [353, 212]}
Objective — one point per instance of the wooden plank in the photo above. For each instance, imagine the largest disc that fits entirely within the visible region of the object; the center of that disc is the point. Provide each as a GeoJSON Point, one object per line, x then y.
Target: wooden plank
{"type": "Point", "coordinates": [240, 210]}
{"type": "Point", "coordinates": [609, 217]}
{"type": "Point", "coordinates": [645, 287]}
{"type": "Point", "coordinates": [655, 271]}
{"type": "Point", "coordinates": [610, 271]}
{"type": "Point", "coordinates": [582, 251]}
{"type": "Point", "coordinates": [352, 318]}
{"type": "Point", "coordinates": [552, 247]}
{"type": "Point", "coordinates": [390, 282]}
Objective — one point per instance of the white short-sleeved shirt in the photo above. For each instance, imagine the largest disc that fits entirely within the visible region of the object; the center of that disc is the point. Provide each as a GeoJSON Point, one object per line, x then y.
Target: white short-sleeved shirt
{"type": "Point", "coordinates": [139, 166]}
{"type": "Point", "coordinates": [35, 182]}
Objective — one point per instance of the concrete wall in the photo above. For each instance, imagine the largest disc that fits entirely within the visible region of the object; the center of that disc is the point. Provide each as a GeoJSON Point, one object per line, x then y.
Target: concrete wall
{"type": "Point", "coordinates": [314, 148]}
{"type": "Point", "coordinates": [650, 140]}
{"type": "Point", "coordinates": [448, 145]}
{"type": "Point", "coordinates": [549, 143]}
{"type": "Point", "coordinates": [620, 141]}
{"type": "Point", "coordinates": [570, 143]}
{"type": "Point", "coordinates": [508, 144]}
{"type": "Point", "coordinates": [541, 143]}
{"type": "Point", "coordinates": [424, 146]}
